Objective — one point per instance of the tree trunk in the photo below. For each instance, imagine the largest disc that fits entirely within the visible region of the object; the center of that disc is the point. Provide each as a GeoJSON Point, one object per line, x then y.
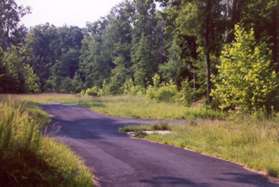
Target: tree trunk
{"type": "Point", "coordinates": [208, 32]}
{"type": "Point", "coordinates": [275, 38]}
{"type": "Point", "coordinates": [208, 75]}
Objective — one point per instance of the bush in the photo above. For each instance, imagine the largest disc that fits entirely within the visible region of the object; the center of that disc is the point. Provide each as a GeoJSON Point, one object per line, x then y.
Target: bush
{"type": "Point", "coordinates": [245, 80]}
{"type": "Point", "coordinates": [130, 88]}
{"type": "Point", "coordinates": [186, 94]}
{"type": "Point", "coordinates": [93, 91]}
{"type": "Point", "coordinates": [166, 92]}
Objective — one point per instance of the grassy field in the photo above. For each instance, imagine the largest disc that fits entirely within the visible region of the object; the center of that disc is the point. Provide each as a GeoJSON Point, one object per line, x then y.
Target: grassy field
{"type": "Point", "coordinates": [248, 142]}
{"type": "Point", "coordinates": [129, 106]}
{"type": "Point", "coordinates": [27, 158]}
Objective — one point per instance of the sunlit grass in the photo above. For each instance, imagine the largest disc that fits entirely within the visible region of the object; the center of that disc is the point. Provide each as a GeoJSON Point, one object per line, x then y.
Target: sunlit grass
{"type": "Point", "coordinates": [28, 158]}
{"type": "Point", "coordinates": [51, 98]}
{"type": "Point", "coordinates": [68, 168]}
{"type": "Point", "coordinates": [129, 106]}
{"type": "Point", "coordinates": [249, 142]}
{"type": "Point", "coordinates": [141, 107]}
{"type": "Point", "coordinates": [246, 141]}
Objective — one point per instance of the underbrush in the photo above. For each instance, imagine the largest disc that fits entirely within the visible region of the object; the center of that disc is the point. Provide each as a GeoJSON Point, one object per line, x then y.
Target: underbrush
{"type": "Point", "coordinates": [249, 142]}
{"type": "Point", "coordinates": [29, 159]}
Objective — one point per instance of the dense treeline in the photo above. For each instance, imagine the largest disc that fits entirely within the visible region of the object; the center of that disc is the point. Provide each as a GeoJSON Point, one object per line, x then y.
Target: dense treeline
{"type": "Point", "coordinates": [184, 43]}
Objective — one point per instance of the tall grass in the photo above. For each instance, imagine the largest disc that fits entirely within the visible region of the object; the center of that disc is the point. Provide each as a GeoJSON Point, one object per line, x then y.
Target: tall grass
{"type": "Point", "coordinates": [18, 131]}
{"type": "Point", "coordinates": [27, 158]}
{"type": "Point", "coordinates": [141, 107]}
{"type": "Point", "coordinates": [52, 98]}
{"type": "Point", "coordinates": [129, 106]}
{"type": "Point", "coordinates": [249, 142]}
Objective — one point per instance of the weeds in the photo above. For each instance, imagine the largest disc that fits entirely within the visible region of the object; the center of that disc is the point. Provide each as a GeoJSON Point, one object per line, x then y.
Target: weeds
{"type": "Point", "coordinates": [27, 158]}
{"type": "Point", "coordinates": [130, 106]}
{"type": "Point", "coordinates": [249, 142]}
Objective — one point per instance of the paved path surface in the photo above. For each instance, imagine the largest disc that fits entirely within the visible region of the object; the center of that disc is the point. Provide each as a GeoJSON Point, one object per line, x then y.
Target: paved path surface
{"type": "Point", "coordinates": [118, 160]}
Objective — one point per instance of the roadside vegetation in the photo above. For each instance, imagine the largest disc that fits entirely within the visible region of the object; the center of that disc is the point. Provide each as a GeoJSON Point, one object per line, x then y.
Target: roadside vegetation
{"type": "Point", "coordinates": [129, 106]}
{"type": "Point", "coordinates": [27, 158]}
{"type": "Point", "coordinates": [203, 59]}
{"type": "Point", "coordinates": [252, 143]}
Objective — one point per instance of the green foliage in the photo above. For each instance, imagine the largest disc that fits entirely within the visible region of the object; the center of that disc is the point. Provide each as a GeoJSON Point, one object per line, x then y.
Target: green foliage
{"type": "Point", "coordinates": [94, 67]}
{"type": "Point", "coordinates": [182, 42]}
{"type": "Point", "coordinates": [94, 91]}
{"type": "Point", "coordinates": [245, 80]}
{"type": "Point", "coordinates": [18, 76]}
{"type": "Point", "coordinates": [54, 55]}
{"type": "Point", "coordinates": [31, 80]}
{"type": "Point", "coordinates": [166, 92]}
{"type": "Point", "coordinates": [12, 32]}
{"type": "Point", "coordinates": [131, 89]}
{"type": "Point", "coordinates": [173, 68]}
{"type": "Point", "coordinates": [142, 62]}
{"type": "Point", "coordinates": [186, 94]}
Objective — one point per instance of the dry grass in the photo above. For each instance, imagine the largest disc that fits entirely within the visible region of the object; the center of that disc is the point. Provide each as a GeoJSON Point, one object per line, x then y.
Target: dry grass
{"type": "Point", "coordinates": [249, 142]}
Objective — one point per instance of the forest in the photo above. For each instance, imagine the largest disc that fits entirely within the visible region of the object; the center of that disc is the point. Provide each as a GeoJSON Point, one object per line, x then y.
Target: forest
{"type": "Point", "coordinates": [77, 104]}
{"type": "Point", "coordinates": [224, 50]}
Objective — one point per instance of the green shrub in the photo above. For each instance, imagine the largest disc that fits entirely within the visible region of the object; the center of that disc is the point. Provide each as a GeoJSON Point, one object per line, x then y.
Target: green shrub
{"type": "Point", "coordinates": [165, 92]}
{"type": "Point", "coordinates": [245, 80]}
{"type": "Point", "coordinates": [129, 88]}
{"type": "Point", "coordinates": [93, 91]}
{"type": "Point", "coordinates": [186, 94]}
{"type": "Point", "coordinates": [83, 92]}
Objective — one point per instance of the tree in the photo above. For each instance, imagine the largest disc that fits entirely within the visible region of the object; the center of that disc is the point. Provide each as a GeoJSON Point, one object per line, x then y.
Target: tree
{"type": "Point", "coordinates": [196, 28]}
{"type": "Point", "coordinates": [54, 53]}
{"type": "Point", "coordinates": [143, 48]}
{"type": "Point", "coordinates": [94, 66]}
{"type": "Point", "coordinates": [171, 71]}
{"type": "Point", "coordinates": [245, 80]}
{"type": "Point", "coordinates": [43, 44]}
{"type": "Point", "coordinates": [142, 62]}
{"type": "Point", "coordinates": [120, 32]}
{"type": "Point", "coordinates": [18, 76]}
{"type": "Point", "coordinates": [11, 32]}
{"type": "Point", "coordinates": [31, 80]}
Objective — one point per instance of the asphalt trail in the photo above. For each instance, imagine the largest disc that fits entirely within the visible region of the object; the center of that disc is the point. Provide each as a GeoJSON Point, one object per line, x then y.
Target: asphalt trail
{"type": "Point", "coordinates": [120, 161]}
